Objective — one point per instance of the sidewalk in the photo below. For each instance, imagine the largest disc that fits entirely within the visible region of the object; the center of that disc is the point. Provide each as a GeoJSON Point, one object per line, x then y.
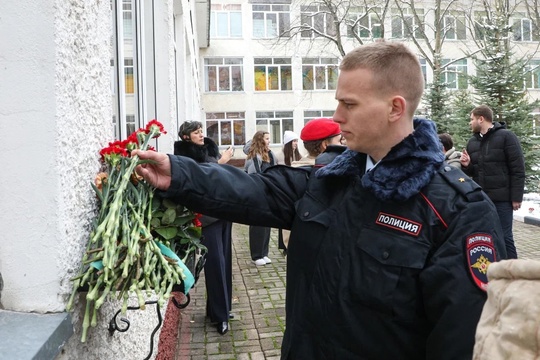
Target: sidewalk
{"type": "Point", "coordinates": [259, 304]}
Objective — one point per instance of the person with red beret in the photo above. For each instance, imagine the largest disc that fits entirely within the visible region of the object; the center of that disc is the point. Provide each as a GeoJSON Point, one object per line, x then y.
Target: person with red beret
{"type": "Point", "coordinates": [317, 135]}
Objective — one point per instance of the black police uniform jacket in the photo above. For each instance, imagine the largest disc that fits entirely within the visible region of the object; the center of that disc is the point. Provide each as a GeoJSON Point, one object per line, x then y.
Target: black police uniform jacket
{"type": "Point", "coordinates": [497, 163]}
{"type": "Point", "coordinates": [388, 264]}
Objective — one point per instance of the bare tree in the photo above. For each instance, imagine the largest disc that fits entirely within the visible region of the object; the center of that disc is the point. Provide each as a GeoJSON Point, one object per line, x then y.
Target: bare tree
{"type": "Point", "coordinates": [533, 12]}
{"type": "Point", "coordinates": [446, 21]}
{"type": "Point", "coordinates": [335, 23]}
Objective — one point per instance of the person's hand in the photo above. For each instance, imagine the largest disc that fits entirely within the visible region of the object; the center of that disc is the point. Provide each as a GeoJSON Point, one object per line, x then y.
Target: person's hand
{"type": "Point", "coordinates": [226, 156]}
{"type": "Point", "coordinates": [516, 205]}
{"type": "Point", "coordinates": [465, 160]}
{"type": "Point", "coordinates": [157, 171]}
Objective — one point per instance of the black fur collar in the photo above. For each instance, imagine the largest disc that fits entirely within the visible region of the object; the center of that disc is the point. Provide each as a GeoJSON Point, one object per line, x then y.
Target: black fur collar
{"type": "Point", "coordinates": [209, 152]}
{"type": "Point", "coordinates": [403, 172]}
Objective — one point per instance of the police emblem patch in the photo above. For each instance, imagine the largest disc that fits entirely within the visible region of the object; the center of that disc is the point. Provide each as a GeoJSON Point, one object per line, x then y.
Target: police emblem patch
{"type": "Point", "coordinates": [480, 253]}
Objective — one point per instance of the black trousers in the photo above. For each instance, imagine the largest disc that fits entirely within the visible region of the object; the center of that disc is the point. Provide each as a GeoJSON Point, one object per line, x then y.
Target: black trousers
{"type": "Point", "coordinates": [259, 239]}
{"type": "Point", "coordinates": [218, 270]}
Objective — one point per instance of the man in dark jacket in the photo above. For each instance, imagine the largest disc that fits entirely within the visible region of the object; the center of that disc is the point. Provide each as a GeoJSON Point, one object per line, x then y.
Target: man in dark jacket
{"type": "Point", "coordinates": [389, 247]}
{"type": "Point", "coordinates": [495, 161]}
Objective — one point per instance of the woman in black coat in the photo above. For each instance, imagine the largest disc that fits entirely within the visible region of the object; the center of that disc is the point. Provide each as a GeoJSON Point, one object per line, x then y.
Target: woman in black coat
{"type": "Point", "coordinates": [216, 233]}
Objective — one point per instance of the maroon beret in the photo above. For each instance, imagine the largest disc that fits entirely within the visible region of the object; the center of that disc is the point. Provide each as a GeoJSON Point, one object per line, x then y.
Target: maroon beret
{"type": "Point", "coordinates": [319, 129]}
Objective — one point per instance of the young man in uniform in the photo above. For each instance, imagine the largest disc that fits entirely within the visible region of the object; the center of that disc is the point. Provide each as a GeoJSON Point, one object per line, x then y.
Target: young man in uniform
{"type": "Point", "coordinates": [389, 247]}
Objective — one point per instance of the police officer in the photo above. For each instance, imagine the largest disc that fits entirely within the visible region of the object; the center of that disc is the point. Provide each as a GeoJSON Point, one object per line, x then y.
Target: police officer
{"type": "Point", "coordinates": [389, 246]}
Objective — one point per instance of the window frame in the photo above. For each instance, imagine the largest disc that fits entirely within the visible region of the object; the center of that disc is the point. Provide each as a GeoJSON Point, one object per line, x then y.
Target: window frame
{"type": "Point", "coordinates": [518, 29]}
{"type": "Point", "coordinates": [532, 75]}
{"type": "Point", "coordinates": [282, 25]}
{"type": "Point", "coordinates": [457, 27]}
{"type": "Point", "coordinates": [319, 19]}
{"type": "Point", "coordinates": [228, 10]}
{"type": "Point", "coordinates": [127, 64]}
{"type": "Point", "coordinates": [272, 121]}
{"type": "Point", "coordinates": [282, 64]}
{"type": "Point", "coordinates": [325, 64]}
{"type": "Point", "coordinates": [407, 14]}
{"type": "Point", "coordinates": [315, 114]}
{"type": "Point", "coordinates": [461, 82]}
{"type": "Point", "coordinates": [361, 29]}
{"type": "Point", "coordinates": [235, 120]}
{"type": "Point", "coordinates": [235, 65]}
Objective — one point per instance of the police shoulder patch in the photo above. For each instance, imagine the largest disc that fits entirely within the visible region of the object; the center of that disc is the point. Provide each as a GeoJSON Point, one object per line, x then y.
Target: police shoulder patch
{"type": "Point", "coordinates": [480, 254]}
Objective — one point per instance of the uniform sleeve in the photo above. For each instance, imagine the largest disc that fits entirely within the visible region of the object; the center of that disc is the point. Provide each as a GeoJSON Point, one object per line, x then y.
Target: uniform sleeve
{"type": "Point", "coordinates": [516, 166]}
{"type": "Point", "coordinates": [228, 193]}
{"type": "Point", "coordinates": [454, 280]}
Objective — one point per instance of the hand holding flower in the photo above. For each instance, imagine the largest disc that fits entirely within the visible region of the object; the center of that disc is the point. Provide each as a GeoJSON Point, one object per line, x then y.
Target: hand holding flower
{"type": "Point", "coordinates": [155, 169]}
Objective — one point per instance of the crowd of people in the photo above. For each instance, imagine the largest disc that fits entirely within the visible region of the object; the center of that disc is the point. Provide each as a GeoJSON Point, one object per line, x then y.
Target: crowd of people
{"type": "Point", "coordinates": [389, 238]}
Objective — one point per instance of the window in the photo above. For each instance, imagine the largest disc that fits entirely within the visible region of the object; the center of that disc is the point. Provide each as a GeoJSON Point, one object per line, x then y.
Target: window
{"type": "Point", "coordinates": [319, 73]}
{"type": "Point", "coordinates": [364, 24]}
{"type": "Point", "coordinates": [275, 122]}
{"type": "Point", "coordinates": [455, 74]}
{"type": "Point", "coordinates": [270, 21]}
{"type": "Point", "coordinates": [314, 114]}
{"type": "Point", "coordinates": [226, 128]}
{"type": "Point", "coordinates": [523, 30]}
{"type": "Point", "coordinates": [480, 24]}
{"type": "Point", "coordinates": [536, 123]}
{"type": "Point", "coordinates": [454, 26]}
{"type": "Point", "coordinates": [532, 75]}
{"type": "Point", "coordinates": [226, 21]}
{"type": "Point", "coordinates": [126, 66]}
{"type": "Point", "coordinates": [404, 25]}
{"type": "Point", "coordinates": [223, 74]}
{"type": "Point", "coordinates": [423, 66]}
{"type": "Point", "coordinates": [273, 74]}
{"type": "Point", "coordinates": [319, 19]}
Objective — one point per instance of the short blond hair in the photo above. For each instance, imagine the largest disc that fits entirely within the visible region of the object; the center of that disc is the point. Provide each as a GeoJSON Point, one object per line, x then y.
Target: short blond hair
{"type": "Point", "coordinates": [395, 69]}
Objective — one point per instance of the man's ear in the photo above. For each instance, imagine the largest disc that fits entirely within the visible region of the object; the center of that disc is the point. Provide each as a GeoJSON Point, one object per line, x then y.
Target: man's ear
{"type": "Point", "coordinates": [399, 106]}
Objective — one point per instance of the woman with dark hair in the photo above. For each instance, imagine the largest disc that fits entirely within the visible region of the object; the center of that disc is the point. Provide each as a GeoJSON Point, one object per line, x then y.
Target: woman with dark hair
{"type": "Point", "coordinates": [288, 154]}
{"type": "Point", "coordinates": [216, 233]}
{"type": "Point", "coordinates": [259, 157]}
{"type": "Point", "coordinates": [290, 151]}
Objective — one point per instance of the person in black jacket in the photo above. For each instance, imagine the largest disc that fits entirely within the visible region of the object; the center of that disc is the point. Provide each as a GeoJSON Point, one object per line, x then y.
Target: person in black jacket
{"type": "Point", "coordinates": [216, 233]}
{"type": "Point", "coordinates": [389, 246]}
{"type": "Point", "coordinates": [494, 160]}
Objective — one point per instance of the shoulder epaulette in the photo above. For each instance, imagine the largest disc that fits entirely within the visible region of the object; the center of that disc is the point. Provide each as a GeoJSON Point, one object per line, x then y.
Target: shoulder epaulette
{"type": "Point", "coordinates": [462, 183]}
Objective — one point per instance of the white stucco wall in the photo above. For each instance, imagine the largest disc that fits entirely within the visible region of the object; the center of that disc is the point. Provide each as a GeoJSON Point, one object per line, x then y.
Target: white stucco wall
{"type": "Point", "coordinates": [55, 113]}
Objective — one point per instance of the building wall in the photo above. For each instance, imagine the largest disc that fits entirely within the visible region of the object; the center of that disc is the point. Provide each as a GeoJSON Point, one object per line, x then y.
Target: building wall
{"type": "Point", "coordinates": [298, 100]}
{"type": "Point", "coordinates": [56, 114]}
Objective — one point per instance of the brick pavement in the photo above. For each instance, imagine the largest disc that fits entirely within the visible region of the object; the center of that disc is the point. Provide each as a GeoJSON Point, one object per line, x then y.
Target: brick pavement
{"type": "Point", "coordinates": [259, 304]}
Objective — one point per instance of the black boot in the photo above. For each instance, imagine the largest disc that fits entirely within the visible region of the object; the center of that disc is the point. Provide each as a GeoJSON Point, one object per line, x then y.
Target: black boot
{"type": "Point", "coordinates": [223, 327]}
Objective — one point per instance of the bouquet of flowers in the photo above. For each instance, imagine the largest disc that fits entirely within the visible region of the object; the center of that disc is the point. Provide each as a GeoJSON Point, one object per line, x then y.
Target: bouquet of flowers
{"type": "Point", "coordinates": [139, 242]}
